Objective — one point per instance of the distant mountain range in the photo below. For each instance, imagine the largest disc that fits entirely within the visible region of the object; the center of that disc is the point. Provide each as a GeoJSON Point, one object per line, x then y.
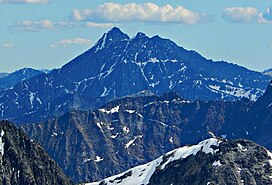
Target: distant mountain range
{"type": "Point", "coordinates": [118, 66]}
{"type": "Point", "coordinates": [137, 129]}
{"type": "Point", "coordinates": [8, 80]}
{"type": "Point", "coordinates": [23, 161]}
{"type": "Point", "coordinates": [211, 162]}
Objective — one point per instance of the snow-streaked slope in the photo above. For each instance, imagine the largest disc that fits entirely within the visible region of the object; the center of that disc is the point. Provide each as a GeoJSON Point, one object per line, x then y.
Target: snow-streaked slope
{"type": "Point", "coordinates": [141, 174]}
{"type": "Point", "coordinates": [8, 80]}
{"type": "Point", "coordinates": [118, 66]}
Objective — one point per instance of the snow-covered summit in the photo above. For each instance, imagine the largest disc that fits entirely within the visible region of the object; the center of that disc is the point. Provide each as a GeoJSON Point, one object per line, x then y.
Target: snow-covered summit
{"type": "Point", "coordinates": [118, 66]}
{"type": "Point", "coordinates": [210, 162]}
{"type": "Point", "coordinates": [141, 175]}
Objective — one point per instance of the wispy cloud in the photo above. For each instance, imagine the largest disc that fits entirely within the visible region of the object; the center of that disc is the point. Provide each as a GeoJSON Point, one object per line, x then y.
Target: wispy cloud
{"type": "Point", "coordinates": [67, 42]}
{"type": "Point", "coordinates": [266, 17]}
{"type": "Point", "coordinates": [147, 12]}
{"type": "Point", "coordinates": [29, 25]}
{"type": "Point", "coordinates": [7, 45]}
{"type": "Point", "coordinates": [99, 25]}
{"type": "Point", "coordinates": [247, 15]}
{"type": "Point", "coordinates": [240, 14]}
{"type": "Point", "coordinates": [24, 1]}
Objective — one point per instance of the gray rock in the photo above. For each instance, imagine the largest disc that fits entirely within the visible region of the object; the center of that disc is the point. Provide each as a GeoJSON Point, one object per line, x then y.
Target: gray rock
{"type": "Point", "coordinates": [23, 161]}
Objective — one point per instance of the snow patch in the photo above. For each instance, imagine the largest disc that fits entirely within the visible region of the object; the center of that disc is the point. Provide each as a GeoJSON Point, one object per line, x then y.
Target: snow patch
{"type": "Point", "coordinates": [99, 126]}
{"type": "Point", "coordinates": [126, 129]}
{"type": "Point", "coordinates": [39, 100]}
{"type": "Point", "coordinates": [239, 170]}
{"type": "Point", "coordinates": [115, 136]}
{"type": "Point", "coordinates": [98, 159]}
{"type": "Point", "coordinates": [54, 134]}
{"type": "Point", "coordinates": [132, 141]}
{"type": "Point", "coordinates": [2, 143]}
{"type": "Point", "coordinates": [130, 111]}
{"type": "Point", "coordinates": [269, 105]}
{"type": "Point", "coordinates": [111, 111]}
{"type": "Point", "coordinates": [270, 155]}
{"type": "Point", "coordinates": [243, 149]}
{"type": "Point", "coordinates": [31, 99]}
{"type": "Point", "coordinates": [216, 164]}
{"type": "Point", "coordinates": [103, 42]}
{"type": "Point", "coordinates": [184, 152]}
{"type": "Point", "coordinates": [105, 92]}
{"type": "Point", "coordinates": [171, 140]}
{"type": "Point", "coordinates": [215, 87]}
{"type": "Point", "coordinates": [154, 84]}
{"type": "Point", "coordinates": [140, 175]}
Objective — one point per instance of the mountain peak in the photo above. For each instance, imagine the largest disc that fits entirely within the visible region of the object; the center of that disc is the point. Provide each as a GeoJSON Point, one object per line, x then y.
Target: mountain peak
{"type": "Point", "coordinates": [114, 35]}
{"type": "Point", "coordinates": [115, 30]}
{"type": "Point", "coordinates": [140, 35]}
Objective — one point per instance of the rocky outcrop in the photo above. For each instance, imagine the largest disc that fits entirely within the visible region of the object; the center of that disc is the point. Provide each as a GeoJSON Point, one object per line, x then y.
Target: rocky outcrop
{"type": "Point", "coordinates": [23, 161]}
{"type": "Point", "coordinates": [131, 131]}
{"type": "Point", "coordinates": [211, 162]}
{"type": "Point", "coordinates": [136, 129]}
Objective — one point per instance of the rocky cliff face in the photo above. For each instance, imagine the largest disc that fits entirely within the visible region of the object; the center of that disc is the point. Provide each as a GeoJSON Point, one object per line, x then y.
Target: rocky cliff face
{"type": "Point", "coordinates": [23, 161]}
{"type": "Point", "coordinates": [212, 161]}
{"type": "Point", "coordinates": [259, 119]}
{"type": "Point", "coordinates": [132, 131]}
{"type": "Point", "coordinates": [118, 66]}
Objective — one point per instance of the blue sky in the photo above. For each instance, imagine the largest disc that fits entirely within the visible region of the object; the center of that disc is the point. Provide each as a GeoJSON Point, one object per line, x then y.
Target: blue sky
{"type": "Point", "coordinates": [49, 33]}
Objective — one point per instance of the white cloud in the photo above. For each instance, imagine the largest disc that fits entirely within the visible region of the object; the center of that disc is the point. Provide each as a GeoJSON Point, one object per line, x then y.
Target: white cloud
{"type": "Point", "coordinates": [241, 14]}
{"type": "Point", "coordinates": [7, 45]}
{"type": "Point", "coordinates": [99, 25]}
{"type": "Point", "coordinates": [266, 17]}
{"type": "Point", "coordinates": [66, 42]}
{"type": "Point", "coordinates": [24, 1]}
{"type": "Point", "coordinates": [42, 25]}
{"type": "Point", "coordinates": [148, 12]}
{"type": "Point", "coordinates": [247, 15]}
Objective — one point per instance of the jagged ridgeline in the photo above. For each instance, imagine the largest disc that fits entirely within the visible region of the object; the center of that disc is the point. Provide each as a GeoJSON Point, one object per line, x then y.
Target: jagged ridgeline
{"type": "Point", "coordinates": [211, 162]}
{"type": "Point", "coordinates": [8, 80]}
{"type": "Point", "coordinates": [118, 65]}
{"type": "Point", "coordinates": [24, 162]}
{"type": "Point", "coordinates": [137, 129]}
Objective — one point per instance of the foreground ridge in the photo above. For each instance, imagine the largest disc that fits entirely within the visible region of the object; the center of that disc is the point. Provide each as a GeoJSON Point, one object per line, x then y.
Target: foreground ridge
{"type": "Point", "coordinates": [212, 161]}
{"type": "Point", "coordinates": [137, 129]}
{"type": "Point", "coordinates": [23, 161]}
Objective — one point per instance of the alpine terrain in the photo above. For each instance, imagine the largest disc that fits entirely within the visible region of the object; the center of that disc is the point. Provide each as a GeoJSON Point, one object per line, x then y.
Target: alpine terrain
{"type": "Point", "coordinates": [211, 162]}
{"type": "Point", "coordinates": [137, 129]}
{"type": "Point", "coordinates": [8, 80]}
{"type": "Point", "coordinates": [23, 161]}
{"type": "Point", "coordinates": [140, 63]}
